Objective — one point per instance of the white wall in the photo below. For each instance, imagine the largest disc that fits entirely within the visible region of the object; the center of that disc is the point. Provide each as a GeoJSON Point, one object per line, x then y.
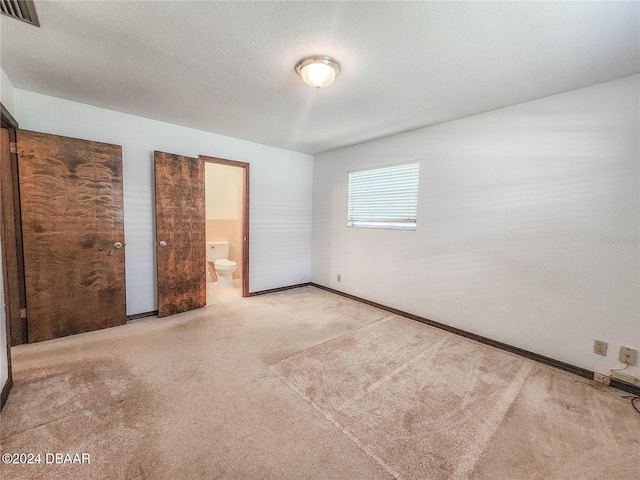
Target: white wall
{"type": "Point", "coordinates": [280, 189]}
{"type": "Point", "coordinates": [6, 93]}
{"type": "Point", "coordinates": [528, 225]}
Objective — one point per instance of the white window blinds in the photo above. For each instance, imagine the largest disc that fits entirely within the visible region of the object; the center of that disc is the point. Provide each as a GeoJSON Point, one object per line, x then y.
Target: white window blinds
{"type": "Point", "coordinates": [384, 197]}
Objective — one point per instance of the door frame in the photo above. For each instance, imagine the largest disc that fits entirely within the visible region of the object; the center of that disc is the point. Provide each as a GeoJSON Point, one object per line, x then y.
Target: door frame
{"type": "Point", "coordinates": [15, 288]}
{"type": "Point", "coordinates": [245, 213]}
{"type": "Point", "coordinates": [13, 283]}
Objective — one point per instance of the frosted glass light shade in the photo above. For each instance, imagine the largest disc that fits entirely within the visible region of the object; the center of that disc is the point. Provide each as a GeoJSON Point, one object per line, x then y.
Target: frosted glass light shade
{"type": "Point", "coordinates": [318, 71]}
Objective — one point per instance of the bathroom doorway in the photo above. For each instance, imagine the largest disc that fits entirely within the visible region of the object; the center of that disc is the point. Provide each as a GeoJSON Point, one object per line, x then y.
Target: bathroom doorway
{"type": "Point", "coordinates": [227, 228]}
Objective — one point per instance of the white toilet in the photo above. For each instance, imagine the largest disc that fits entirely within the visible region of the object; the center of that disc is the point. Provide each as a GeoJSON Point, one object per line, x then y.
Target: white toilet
{"type": "Point", "coordinates": [218, 263]}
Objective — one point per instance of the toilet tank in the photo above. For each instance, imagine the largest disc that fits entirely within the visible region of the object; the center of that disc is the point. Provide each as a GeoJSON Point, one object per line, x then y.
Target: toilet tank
{"type": "Point", "coordinates": [217, 251]}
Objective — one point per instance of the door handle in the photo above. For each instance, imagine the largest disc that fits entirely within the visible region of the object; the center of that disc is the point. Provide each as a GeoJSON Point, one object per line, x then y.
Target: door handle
{"type": "Point", "coordinates": [117, 245]}
{"type": "Point", "coordinates": [163, 243]}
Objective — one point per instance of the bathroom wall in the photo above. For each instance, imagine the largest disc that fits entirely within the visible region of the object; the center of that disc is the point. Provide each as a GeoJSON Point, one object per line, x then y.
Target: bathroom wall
{"type": "Point", "coordinates": [280, 183]}
{"type": "Point", "coordinates": [223, 190]}
{"type": "Point", "coordinates": [528, 225]}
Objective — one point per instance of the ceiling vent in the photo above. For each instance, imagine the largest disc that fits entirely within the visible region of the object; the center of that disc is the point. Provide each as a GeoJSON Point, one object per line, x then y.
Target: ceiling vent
{"type": "Point", "coordinates": [23, 10]}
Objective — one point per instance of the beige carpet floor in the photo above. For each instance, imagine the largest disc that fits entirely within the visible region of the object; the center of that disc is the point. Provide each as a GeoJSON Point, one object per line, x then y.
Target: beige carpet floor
{"type": "Point", "coordinates": [304, 384]}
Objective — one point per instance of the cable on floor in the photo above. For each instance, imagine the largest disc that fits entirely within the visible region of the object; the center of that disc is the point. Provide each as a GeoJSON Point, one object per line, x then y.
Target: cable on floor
{"type": "Point", "coordinates": [634, 399]}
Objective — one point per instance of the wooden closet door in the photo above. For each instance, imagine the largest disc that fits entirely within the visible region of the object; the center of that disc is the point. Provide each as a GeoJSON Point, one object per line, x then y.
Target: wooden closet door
{"type": "Point", "coordinates": [180, 233]}
{"type": "Point", "coordinates": [73, 234]}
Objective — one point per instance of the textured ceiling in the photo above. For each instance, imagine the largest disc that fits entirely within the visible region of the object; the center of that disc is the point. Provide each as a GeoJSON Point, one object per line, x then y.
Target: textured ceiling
{"type": "Point", "coordinates": [228, 67]}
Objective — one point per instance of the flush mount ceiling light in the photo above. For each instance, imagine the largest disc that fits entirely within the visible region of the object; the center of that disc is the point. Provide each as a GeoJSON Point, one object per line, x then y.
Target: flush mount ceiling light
{"type": "Point", "coordinates": [318, 71]}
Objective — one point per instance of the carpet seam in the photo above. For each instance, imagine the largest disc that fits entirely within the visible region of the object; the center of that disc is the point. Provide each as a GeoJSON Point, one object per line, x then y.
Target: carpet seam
{"type": "Point", "coordinates": [375, 385]}
{"type": "Point", "coordinates": [70, 415]}
{"type": "Point", "coordinates": [469, 459]}
{"type": "Point", "coordinates": [465, 468]}
{"type": "Point", "coordinates": [340, 427]}
{"type": "Point", "coordinates": [382, 320]}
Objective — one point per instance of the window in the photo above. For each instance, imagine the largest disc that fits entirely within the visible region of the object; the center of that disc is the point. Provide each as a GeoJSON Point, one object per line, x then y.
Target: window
{"type": "Point", "coordinates": [384, 197]}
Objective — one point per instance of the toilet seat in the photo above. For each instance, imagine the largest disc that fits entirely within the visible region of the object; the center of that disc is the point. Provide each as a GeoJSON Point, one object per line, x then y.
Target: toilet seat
{"type": "Point", "coordinates": [224, 271]}
{"type": "Point", "coordinates": [224, 265]}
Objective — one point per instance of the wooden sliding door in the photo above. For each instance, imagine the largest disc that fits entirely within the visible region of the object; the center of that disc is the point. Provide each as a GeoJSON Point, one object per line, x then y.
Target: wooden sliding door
{"type": "Point", "coordinates": [180, 233]}
{"type": "Point", "coordinates": [73, 234]}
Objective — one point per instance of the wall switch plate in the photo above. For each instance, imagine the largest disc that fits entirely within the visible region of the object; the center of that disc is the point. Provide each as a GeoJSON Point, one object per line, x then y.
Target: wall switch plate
{"type": "Point", "coordinates": [600, 347]}
{"type": "Point", "coordinates": [339, 278]}
{"type": "Point", "coordinates": [598, 377]}
{"type": "Point", "coordinates": [628, 355]}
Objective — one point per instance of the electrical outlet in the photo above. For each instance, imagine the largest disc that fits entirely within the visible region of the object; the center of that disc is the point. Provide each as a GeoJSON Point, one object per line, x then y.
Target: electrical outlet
{"type": "Point", "coordinates": [598, 377]}
{"type": "Point", "coordinates": [628, 355]}
{"type": "Point", "coordinates": [600, 347]}
{"type": "Point", "coordinates": [339, 278]}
